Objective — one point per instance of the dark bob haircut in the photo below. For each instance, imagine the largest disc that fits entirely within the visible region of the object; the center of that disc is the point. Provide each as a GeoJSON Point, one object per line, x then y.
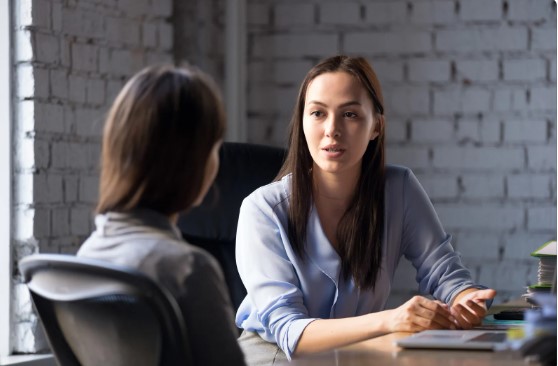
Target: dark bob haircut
{"type": "Point", "coordinates": [157, 139]}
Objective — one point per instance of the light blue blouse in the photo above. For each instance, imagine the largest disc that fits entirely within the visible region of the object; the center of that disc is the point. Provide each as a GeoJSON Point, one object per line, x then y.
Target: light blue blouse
{"type": "Point", "coordinates": [286, 293]}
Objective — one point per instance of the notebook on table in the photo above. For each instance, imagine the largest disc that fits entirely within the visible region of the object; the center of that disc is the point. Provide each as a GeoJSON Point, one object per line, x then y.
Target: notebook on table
{"type": "Point", "coordinates": [489, 340]}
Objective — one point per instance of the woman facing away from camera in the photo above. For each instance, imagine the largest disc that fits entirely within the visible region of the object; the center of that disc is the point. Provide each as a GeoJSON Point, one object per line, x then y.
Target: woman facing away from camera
{"type": "Point", "coordinates": [317, 249]}
{"type": "Point", "coordinates": [159, 157]}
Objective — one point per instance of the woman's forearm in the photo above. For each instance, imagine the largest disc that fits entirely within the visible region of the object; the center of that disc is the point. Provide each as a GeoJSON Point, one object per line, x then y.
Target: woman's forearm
{"type": "Point", "coordinates": [419, 313]}
{"type": "Point", "coordinates": [326, 334]}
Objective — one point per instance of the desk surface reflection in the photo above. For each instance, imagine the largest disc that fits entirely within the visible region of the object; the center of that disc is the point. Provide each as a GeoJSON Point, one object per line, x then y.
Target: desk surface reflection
{"type": "Point", "coordinates": [382, 351]}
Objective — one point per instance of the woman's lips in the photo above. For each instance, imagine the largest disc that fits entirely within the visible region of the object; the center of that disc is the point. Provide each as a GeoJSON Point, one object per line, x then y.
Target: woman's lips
{"type": "Point", "coordinates": [333, 151]}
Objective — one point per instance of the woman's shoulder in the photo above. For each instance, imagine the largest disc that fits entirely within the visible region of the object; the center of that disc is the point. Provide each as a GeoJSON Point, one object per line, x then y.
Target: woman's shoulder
{"type": "Point", "coordinates": [179, 265]}
{"type": "Point", "coordinates": [273, 194]}
{"type": "Point", "coordinates": [400, 181]}
{"type": "Point", "coordinates": [182, 253]}
{"type": "Point", "coordinates": [396, 172]}
{"type": "Point", "coordinates": [166, 259]}
{"type": "Point", "coordinates": [397, 176]}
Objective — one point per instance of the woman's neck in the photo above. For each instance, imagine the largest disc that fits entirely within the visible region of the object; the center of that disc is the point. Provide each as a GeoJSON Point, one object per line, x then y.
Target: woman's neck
{"type": "Point", "coordinates": [173, 218]}
{"type": "Point", "coordinates": [332, 195]}
{"type": "Point", "coordinates": [334, 189]}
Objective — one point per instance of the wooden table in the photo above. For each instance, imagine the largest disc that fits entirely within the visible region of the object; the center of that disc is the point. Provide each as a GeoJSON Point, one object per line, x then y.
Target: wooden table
{"type": "Point", "coordinates": [382, 351]}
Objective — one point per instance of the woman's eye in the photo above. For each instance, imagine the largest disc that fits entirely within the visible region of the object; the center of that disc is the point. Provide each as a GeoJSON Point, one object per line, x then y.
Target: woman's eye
{"type": "Point", "coordinates": [316, 113]}
{"type": "Point", "coordinates": [350, 114]}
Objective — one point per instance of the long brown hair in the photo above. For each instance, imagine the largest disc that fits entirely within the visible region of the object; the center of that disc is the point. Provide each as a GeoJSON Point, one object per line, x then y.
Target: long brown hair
{"type": "Point", "coordinates": [360, 230]}
{"type": "Point", "coordinates": [157, 139]}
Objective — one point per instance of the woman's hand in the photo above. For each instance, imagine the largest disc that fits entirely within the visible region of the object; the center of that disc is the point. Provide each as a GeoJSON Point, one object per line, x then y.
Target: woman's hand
{"type": "Point", "coordinates": [469, 307]}
{"type": "Point", "coordinates": [419, 313]}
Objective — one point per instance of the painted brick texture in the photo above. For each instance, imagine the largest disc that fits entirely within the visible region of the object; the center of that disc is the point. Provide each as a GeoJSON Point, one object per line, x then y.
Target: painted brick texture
{"type": "Point", "coordinates": [470, 93]}
{"type": "Point", "coordinates": [62, 104]}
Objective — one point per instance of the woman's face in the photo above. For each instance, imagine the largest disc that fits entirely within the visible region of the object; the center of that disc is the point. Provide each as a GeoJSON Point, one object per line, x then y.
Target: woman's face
{"type": "Point", "coordinates": [211, 169]}
{"type": "Point", "coordinates": [338, 122]}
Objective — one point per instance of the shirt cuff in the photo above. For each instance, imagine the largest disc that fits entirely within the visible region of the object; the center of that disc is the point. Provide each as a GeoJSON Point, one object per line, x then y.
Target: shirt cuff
{"type": "Point", "coordinates": [293, 335]}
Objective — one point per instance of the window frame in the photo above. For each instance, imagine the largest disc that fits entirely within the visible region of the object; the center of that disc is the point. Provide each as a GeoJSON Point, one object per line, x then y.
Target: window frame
{"type": "Point", "coordinates": [6, 264]}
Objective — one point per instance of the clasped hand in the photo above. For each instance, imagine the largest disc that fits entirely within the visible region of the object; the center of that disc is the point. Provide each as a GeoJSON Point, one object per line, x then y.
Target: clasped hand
{"type": "Point", "coordinates": [419, 313]}
{"type": "Point", "coordinates": [469, 307]}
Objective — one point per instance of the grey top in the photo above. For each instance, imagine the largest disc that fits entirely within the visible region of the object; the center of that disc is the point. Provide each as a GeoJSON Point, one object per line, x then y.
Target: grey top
{"type": "Point", "coordinates": [149, 242]}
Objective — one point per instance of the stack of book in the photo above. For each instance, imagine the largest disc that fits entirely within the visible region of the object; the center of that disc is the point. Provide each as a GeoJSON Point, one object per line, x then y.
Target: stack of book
{"type": "Point", "coordinates": [546, 277]}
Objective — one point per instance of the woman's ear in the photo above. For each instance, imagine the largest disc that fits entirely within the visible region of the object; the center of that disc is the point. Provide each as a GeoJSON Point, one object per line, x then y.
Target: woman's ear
{"type": "Point", "coordinates": [378, 127]}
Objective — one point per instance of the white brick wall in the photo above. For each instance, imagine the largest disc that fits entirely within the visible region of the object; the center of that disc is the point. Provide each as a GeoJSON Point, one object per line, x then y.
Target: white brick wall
{"type": "Point", "coordinates": [386, 12]}
{"type": "Point", "coordinates": [381, 43]}
{"type": "Point", "coordinates": [316, 44]}
{"type": "Point", "coordinates": [461, 100]}
{"type": "Point", "coordinates": [530, 186]}
{"type": "Point", "coordinates": [71, 59]}
{"type": "Point", "coordinates": [431, 131]}
{"type": "Point", "coordinates": [471, 39]}
{"type": "Point", "coordinates": [429, 71]}
{"type": "Point", "coordinates": [439, 186]}
{"type": "Point", "coordinates": [522, 131]}
{"type": "Point", "coordinates": [481, 158]}
{"type": "Point", "coordinates": [290, 72]}
{"type": "Point", "coordinates": [530, 10]}
{"type": "Point", "coordinates": [508, 276]}
{"type": "Point", "coordinates": [524, 70]}
{"type": "Point", "coordinates": [387, 71]}
{"type": "Point", "coordinates": [405, 100]}
{"type": "Point", "coordinates": [470, 92]}
{"type": "Point", "coordinates": [478, 246]}
{"type": "Point", "coordinates": [417, 157]}
{"type": "Point", "coordinates": [509, 99]}
{"type": "Point", "coordinates": [480, 217]}
{"type": "Point", "coordinates": [397, 131]}
{"type": "Point", "coordinates": [294, 14]}
{"type": "Point", "coordinates": [541, 218]}
{"type": "Point", "coordinates": [433, 12]}
{"type": "Point", "coordinates": [339, 13]}
{"type": "Point", "coordinates": [541, 158]}
{"type": "Point", "coordinates": [518, 246]}
{"type": "Point", "coordinates": [486, 187]}
{"type": "Point", "coordinates": [544, 39]}
{"type": "Point", "coordinates": [477, 70]}
{"type": "Point", "coordinates": [481, 10]}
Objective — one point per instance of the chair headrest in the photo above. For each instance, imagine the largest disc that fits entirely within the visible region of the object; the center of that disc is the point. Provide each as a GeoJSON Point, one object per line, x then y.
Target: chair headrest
{"type": "Point", "coordinates": [243, 168]}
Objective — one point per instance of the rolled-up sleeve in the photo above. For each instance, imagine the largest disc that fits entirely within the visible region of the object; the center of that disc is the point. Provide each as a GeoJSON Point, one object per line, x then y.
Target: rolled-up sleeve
{"type": "Point", "coordinates": [440, 271]}
{"type": "Point", "coordinates": [274, 306]}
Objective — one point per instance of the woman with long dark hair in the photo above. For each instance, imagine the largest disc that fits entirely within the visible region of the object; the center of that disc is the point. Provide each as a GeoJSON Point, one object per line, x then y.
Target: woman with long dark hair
{"type": "Point", "coordinates": [317, 249]}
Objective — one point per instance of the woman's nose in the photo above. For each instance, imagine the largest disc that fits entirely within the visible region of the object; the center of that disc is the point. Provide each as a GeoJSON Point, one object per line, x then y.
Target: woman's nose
{"type": "Point", "coordinates": [332, 127]}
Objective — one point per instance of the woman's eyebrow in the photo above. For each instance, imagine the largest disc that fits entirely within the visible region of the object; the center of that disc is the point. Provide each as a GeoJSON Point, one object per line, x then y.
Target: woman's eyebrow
{"type": "Point", "coordinates": [346, 104]}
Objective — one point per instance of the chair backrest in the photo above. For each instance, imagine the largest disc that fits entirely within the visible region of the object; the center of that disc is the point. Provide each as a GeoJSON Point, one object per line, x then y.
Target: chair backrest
{"type": "Point", "coordinates": [97, 313]}
{"type": "Point", "coordinates": [243, 168]}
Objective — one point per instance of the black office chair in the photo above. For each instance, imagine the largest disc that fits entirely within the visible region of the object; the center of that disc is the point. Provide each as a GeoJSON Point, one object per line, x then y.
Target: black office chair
{"type": "Point", "coordinates": [243, 168]}
{"type": "Point", "coordinates": [97, 313]}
